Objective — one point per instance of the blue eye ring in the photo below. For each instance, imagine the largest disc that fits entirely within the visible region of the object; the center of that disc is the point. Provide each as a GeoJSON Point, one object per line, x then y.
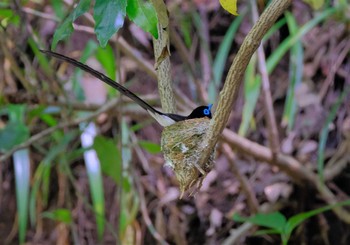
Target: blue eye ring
{"type": "Point", "coordinates": [207, 111]}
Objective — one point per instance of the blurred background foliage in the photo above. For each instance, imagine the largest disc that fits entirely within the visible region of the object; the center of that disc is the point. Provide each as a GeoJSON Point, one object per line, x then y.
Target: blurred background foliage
{"type": "Point", "coordinates": [81, 165]}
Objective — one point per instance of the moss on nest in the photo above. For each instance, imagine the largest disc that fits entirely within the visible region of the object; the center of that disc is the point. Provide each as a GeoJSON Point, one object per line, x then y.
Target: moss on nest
{"type": "Point", "coordinates": [181, 146]}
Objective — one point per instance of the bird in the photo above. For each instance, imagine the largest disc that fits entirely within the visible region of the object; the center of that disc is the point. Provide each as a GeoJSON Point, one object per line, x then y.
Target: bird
{"type": "Point", "coordinates": [164, 119]}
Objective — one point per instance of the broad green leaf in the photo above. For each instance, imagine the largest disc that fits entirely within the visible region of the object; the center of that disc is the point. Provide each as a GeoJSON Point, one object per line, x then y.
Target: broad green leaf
{"type": "Point", "coordinates": [16, 112]}
{"type": "Point", "coordinates": [144, 15]}
{"type": "Point", "coordinates": [109, 17]}
{"type": "Point", "coordinates": [66, 28]}
{"type": "Point", "coordinates": [110, 158]}
{"type": "Point", "coordinates": [107, 59]}
{"type": "Point", "coordinates": [13, 134]}
{"type": "Point", "coordinates": [151, 147]}
{"type": "Point", "coordinates": [63, 31]}
{"type": "Point", "coordinates": [61, 215]}
{"type": "Point", "coordinates": [7, 16]}
{"type": "Point", "coordinates": [82, 7]}
{"type": "Point", "coordinates": [58, 8]}
{"type": "Point", "coordinates": [230, 6]}
{"type": "Point", "coordinates": [275, 220]}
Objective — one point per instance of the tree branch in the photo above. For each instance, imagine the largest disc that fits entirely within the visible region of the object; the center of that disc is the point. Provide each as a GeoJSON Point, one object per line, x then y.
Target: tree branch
{"type": "Point", "coordinates": [162, 59]}
{"type": "Point", "coordinates": [234, 78]}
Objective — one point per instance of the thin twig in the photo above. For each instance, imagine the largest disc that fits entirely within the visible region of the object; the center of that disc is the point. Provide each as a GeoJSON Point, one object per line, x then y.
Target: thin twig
{"type": "Point", "coordinates": [108, 106]}
{"type": "Point", "coordinates": [234, 78]}
{"type": "Point", "coordinates": [251, 199]}
{"type": "Point", "coordinates": [335, 66]}
{"type": "Point", "coordinates": [289, 165]}
{"type": "Point", "coordinates": [241, 231]}
{"type": "Point", "coordinates": [205, 57]}
{"type": "Point", "coordinates": [14, 67]}
{"type": "Point", "coordinates": [40, 14]}
{"type": "Point", "coordinates": [145, 214]}
{"type": "Point", "coordinates": [269, 113]}
{"type": "Point", "coordinates": [142, 63]}
{"type": "Point", "coordinates": [184, 54]}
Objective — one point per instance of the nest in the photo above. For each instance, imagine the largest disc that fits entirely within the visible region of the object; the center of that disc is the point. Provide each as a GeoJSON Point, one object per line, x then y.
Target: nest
{"type": "Point", "coordinates": [181, 146]}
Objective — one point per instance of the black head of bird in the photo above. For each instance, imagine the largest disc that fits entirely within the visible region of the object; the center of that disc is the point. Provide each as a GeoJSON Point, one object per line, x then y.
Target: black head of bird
{"type": "Point", "coordinates": [164, 119]}
{"type": "Point", "coordinates": [201, 111]}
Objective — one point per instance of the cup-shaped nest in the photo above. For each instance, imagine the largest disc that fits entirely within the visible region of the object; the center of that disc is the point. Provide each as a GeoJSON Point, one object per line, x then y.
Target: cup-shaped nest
{"type": "Point", "coordinates": [182, 146]}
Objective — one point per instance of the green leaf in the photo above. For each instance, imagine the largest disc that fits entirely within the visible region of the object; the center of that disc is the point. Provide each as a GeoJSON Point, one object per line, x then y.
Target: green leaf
{"type": "Point", "coordinates": [221, 57]}
{"type": "Point", "coordinates": [252, 84]}
{"type": "Point", "coordinates": [129, 200]}
{"type": "Point", "coordinates": [283, 48]}
{"type": "Point", "coordinates": [7, 16]}
{"type": "Point", "coordinates": [144, 15]}
{"type": "Point", "coordinates": [266, 232]}
{"type": "Point", "coordinates": [151, 147]}
{"type": "Point", "coordinates": [61, 215]}
{"type": "Point", "coordinates": [185, 28]}
{"type": "Point", "coordinates": [66, 28]}
{"type": "Point", "coordinates": [272, 62]}
{"type": "Point", "coordinates": [315, 4]}
{"type": "Point", "coordinates": [296, 220]}
{"type": "Point", "coordinates": [22, 178]}
{"type": "Point", "coordinates": [58, 7]}
{"type": "Point", "coordinates": [13, 134]}
{"type": "Point", "coordinates": [88, 51]}
{"type": "Point", "coordinates": [63, 31]}
{"type": "Point", "coordinates": [82, 7]}
{"type": "Point", "coordinates": [110, 158]}
{"type": "Point", "coordinates": [109, 17]}
{"type": "Point", "coordinates": [295, 74]}
{"type": "Point", "coordinates": [275, 220]}
{"type": "Point", "coordinates": [43, 61]}
{"type": "Point", "coordinates": [274, 28]}
{"type": "Point", "coordinates": [230, 6]}
{"type": "Point", "coordinates": [107, 59]}
{"type": "Point", "coordinates": [325, 130]}
{"type": "Point", "coordinates": [93, 168]}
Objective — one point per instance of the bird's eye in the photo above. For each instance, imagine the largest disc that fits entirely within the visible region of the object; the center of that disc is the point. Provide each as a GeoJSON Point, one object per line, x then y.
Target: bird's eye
{"type": "Point", "coordinates": [206, 112]}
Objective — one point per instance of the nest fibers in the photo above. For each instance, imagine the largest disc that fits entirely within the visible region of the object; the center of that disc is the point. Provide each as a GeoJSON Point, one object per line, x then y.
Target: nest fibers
{"type": "Point", "coordinates": [181, 146]}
